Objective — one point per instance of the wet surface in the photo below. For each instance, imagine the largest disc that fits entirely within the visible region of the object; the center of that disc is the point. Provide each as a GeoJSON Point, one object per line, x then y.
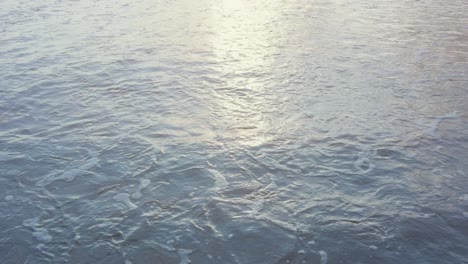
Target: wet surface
{"type": "Point", "coordinates": [233, 131]}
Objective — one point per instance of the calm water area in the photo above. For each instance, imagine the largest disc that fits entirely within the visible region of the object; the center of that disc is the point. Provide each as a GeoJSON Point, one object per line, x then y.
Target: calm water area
{"type": "Point", "coordinates": [234, 131]}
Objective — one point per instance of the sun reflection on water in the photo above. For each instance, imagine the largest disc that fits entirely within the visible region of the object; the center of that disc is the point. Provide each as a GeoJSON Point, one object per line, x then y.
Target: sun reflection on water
{"type": "Point", "coordinates": [243, 46]}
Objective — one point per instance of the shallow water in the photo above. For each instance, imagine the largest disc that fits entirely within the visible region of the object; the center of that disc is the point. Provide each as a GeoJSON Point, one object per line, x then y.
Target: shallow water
{"type": "Point", "coordinates": [233, 131]}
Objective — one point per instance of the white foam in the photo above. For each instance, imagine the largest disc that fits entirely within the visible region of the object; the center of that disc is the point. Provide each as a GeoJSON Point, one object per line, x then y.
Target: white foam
{"type": "Point", "coordinates": [31, 222]}
{"type": "Point", "coordinates": [465, 214]}
{"type": "Point", "coordinates": [220, 180]}
{"type": "Point", "coordinates": [184, 255]}
{"type": "Point", "coordinates": [210, 164]}
{"type": "Point", "coordinates": [42, 235]}
{"type": "Point", "coordinates": [8, 197]}
{"type": "Point", "coordinates": [136, 195]}
{"type": "Point", "coordinates": [257, 206]}
{"type": "Point", "coordinates": [464, 197]}
{"type": "Point", "coordinates": [432, 130]}
{"type": "Point", "coordinates": [43, 249]}
{"type": "Point", "coordinates": [312, 242]}
{"type": "Point", "coordinates": [323, 257]}
{"type": "Point", "coordinates": [125, 199]}
{"type": "Point", "coordinates": [68, 175]}
{"type": "Point", "coordinates": [152, 213]}
{"type": "Point", "coordinates": [168, 247]}
{"type": "Point", "coordinates": [363, 160]}
{"type": "Point", "coordinates": [143, 184]}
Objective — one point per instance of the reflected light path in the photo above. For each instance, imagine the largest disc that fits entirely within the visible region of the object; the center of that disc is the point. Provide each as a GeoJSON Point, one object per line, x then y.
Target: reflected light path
{"type": "Point", "coordinates": [244, 48]}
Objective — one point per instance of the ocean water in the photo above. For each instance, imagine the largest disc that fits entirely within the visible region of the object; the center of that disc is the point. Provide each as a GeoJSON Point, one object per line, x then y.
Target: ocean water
{"type": "Point", "coordinates": [234, 131]}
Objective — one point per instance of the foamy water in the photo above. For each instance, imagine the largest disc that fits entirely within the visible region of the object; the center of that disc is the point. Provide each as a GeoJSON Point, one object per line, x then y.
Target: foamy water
{"type": "Point", "coordinates": [241, 132]}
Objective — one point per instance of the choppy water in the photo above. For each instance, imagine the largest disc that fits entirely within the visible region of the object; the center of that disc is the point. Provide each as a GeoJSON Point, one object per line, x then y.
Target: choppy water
{"type": "Point", "coordinates": [248, 132]}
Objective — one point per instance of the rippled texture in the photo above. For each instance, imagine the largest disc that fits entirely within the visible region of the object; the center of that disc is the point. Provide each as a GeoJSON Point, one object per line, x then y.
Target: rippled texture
{"type": "Point", "coordinates": [246, 132]}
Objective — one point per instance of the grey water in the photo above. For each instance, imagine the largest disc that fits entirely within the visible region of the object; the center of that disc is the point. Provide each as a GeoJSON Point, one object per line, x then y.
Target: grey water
{"type": "Point", "coordinates": [234, 131]}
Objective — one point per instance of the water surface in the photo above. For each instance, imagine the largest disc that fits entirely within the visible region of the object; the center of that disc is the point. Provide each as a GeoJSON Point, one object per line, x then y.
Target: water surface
{"type": "Point", "coordinates": [244, 132]}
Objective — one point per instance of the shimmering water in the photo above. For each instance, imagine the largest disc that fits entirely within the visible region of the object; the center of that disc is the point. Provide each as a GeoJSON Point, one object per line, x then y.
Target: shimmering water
{"type": "Point", "coordinates": [235, 131]}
